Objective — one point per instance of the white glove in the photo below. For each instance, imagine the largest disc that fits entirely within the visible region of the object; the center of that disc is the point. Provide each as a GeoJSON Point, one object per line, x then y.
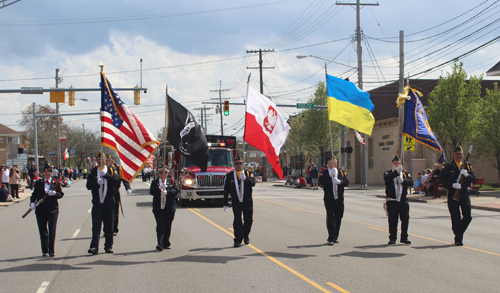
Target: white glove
{"type": "Point", "coordinates": [100, 182]}
{"type": "Point", "coordinates": [32, 206]}
{"type": "Point", "coordinates": [336, 181]}
{"type": "Point", "coordinates": [164, 193]}
{"type": "Point", "coordinates": [226, 209]}
{"type": "Point", "coordinates": [457, 186]}
{"type": "Point", "coordinates": [464, 172]}
{"type": "Point", "coordinates": [129, 191]}
{"type": "Point", "coordinates": [243, 176]}
{"type": "Point", "coordinates": [400, 180]}
{"type": "Point", "coordinates": [399, 169]}
{"type": "Point", "coordinates": [163, 186]}
{"type": "Point", "coordinates": [51, 192]}
{"type": "Point", "coordinates": [104, 171]}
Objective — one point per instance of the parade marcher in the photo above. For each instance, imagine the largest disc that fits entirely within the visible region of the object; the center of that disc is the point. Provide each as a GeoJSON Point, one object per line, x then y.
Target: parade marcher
{"type": "Point", "coordinates": [239, 184]}
{"type": "Point", "coordinates": [449, 178]}
{"type": "Point", "coordinates": [163, 191]}
{"type": "Point", "coordinates": [103, 183]}
{"type": "Point", "coordinates": [110, 162]}
{"type": "Point", "coordinates": [397, 182]}
{"type": "Point", "coordinates": [333, 181]}
{"type": "Point", "coordinates": [48, 211]}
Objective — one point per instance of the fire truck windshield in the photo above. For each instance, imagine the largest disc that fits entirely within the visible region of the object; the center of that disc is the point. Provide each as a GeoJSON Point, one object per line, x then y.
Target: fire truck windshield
{"type": "Point", "coordinates": [216, 157]}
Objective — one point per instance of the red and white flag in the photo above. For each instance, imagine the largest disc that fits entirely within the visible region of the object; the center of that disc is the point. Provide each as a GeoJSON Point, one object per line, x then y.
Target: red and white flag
{"type": "Point", "coordinates": [265, 128]}
{"type": "Point", "coordinates": [123, 132]}
{"type": "Point", "coordinates": [66, 154]}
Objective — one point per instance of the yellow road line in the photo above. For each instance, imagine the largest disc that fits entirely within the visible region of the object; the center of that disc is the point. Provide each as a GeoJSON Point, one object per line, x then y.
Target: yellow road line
{"type": "Point", "coordinates": [337, 287]}
{"type": "Point", "coordinates": [380, 228]}
{"type": "Point", "coordinates": [316, 285]}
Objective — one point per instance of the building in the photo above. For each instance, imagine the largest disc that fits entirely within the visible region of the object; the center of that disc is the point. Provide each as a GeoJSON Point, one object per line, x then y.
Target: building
{"type": "Point", "coordinates": [381, 146]}
{"type": "Point", "coordinates": [7, 136]}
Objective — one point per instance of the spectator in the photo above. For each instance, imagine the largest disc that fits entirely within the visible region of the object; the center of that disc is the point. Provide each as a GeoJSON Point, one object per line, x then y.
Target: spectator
{"type": "Point", "coordinates": [55, 173]}
{"type": "Point", "coordinates": [427, 185]}
{"type": "Point", "coordinates": [4, 194]}
{"type": "Point", "coordinates": [417, 187]}
{"type": "Point", "coordinates": [301, 182]}
{"type": "Point", "coordinates": [5, 176]}
{"type": "Point", "coordinates": [285, 173]}
{"type": "Point", "coordinates": [435, 180]}
{"type": "Point", "coordinates": [14, 181]}
{"type": "Point", "coordinates": [313, 172]}
{"type": "Point", "coordinates": [25, 173]}
{"type": "Point", "coordinates": [31, 174]}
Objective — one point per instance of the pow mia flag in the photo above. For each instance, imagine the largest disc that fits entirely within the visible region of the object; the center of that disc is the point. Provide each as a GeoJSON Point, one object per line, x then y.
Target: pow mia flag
{"type": "Point", "coordinates": [186, 135]}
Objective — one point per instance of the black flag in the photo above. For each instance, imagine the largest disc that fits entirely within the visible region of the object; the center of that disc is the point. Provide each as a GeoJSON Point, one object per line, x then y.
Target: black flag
{"type": "Point", "coordinates": [186, 135]}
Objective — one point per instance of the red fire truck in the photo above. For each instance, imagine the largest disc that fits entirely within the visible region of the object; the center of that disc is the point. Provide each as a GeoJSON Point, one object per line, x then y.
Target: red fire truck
{"type": "Point", "coordinates": [196, 185]}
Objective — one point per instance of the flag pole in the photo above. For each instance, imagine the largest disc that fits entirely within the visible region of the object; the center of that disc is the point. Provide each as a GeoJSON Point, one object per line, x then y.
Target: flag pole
{"type": "Point", "coordinates": [165, 129]}
{"type": "Point", "coordinates": [330, 121]}
{"type": "Point", "coordinates": [102, 72]}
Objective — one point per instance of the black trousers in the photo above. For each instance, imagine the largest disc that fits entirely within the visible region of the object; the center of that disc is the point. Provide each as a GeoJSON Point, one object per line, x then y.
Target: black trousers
{"type": "Point", "coordinates": [242, 228]}
{"type": "Point", "coordinates": [399, 210]}
{"type": "Point", "coordinates": [116, 212]}
{"type": "Point", "coordinates": [31, 181]}
{"type": "Point", "coordinates": [331, 222]}
{"type": "Point", "coordinates": [164, 221]}
{"type": "Point", "coordinates": [46, 219]}
{"type": "Point", "coordinates": [102, 213]}
{"type": "Point", "coordinates": [459, 223]}
{"type": "Point", "coordinates": [14, 188]}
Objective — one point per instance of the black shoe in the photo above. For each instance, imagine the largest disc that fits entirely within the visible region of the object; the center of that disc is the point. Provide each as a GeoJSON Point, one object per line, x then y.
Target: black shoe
{"type": "Point", "coordinates": [52, 254]}
{"type": "Point", "coordinates": [406, 241]}
{"type": "Point", "coordinates": [92, 250]}
{"type": "Point", "coordinates": [335, 241]}
{"type": "Point", "coordinates": [459, 244]}
{"type": "Point", "coordinates": [159, 248]}
{"type": "Point", "coordinates": [391, 242]}
{"type": "Point", "coordinates": [114, 233]}
{"type": "Point", "coordinates": [330, 242]}
{"type": "Point", "coordinates": [246, 240]}
{"type": "Point", "coordinates": [45, 254]}
{"type": "Point", "coordinates": [108, 250]}
{"type": "Point", "coordinates": [237, 244]}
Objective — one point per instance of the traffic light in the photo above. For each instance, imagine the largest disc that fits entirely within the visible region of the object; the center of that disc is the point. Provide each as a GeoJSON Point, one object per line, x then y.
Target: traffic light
{"type": "Point", "coordinates": [226, 108]}
{"type": "Point", "coordinates": [137, 96]}
{"type": "Point", "coordinates": [348, 150]}
{"type": "Point", "coordinates": [71, 97]}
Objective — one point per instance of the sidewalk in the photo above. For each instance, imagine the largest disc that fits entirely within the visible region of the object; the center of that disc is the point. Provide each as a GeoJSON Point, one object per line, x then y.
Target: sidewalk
{"type": "Point", "coordinates": [487, 199]}
{"type": "Point", "coordinates": [23, 195]}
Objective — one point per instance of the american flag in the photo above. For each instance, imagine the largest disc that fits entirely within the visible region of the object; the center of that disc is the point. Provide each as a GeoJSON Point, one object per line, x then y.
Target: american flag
{"type": "Point", "coordinates": [123, 132]}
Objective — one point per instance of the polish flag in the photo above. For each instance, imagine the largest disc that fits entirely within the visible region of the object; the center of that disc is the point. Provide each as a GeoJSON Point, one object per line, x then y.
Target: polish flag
{"type": "Point", "coordinates": [265, 128]}
{"type": "Point", "coordinates": [66, 154]}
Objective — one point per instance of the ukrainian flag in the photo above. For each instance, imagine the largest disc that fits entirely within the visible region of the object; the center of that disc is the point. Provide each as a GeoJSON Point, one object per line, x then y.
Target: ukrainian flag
{"type": "Point", "coordinates": [348, 105]}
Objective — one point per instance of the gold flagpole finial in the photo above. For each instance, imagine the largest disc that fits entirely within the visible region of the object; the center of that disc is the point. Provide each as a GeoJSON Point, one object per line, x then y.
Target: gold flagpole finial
{"type": "Point", "coordinates": [102, 66]}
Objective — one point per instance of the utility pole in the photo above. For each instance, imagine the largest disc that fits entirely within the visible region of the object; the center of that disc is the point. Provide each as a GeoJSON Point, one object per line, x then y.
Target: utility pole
{"type": "Point", "coordinates": [220, 90]}
{"type": "Point", "coordinates": [203, 117]}
{"type": "Point", "coordinates": [58, 80]}
{"type": "Point", "coordinates": [264, 175]}
{"type": "Point", "coordinates": [360, 77]}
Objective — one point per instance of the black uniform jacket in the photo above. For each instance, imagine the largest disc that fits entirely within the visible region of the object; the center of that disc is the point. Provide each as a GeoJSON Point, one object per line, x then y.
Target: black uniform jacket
{"type": "Point", "coordinates": [230, 188]}
{"type": "Point", "coordinates": [390, 190]}
{"type": "Point", "coordinates": [449, 175]}
{"type": "Point", "coordinates": [155, 191]}
{"type": "Point", "coordinates": [113, 184]}
{"type": "Point", "coordinates": [50, 203]}
{"type": "Point", "coordinates": [326, 180]}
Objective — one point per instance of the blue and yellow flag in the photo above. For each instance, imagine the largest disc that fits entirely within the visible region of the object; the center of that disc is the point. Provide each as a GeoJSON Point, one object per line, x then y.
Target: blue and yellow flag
{"type": "Point", "coordinates": [416, 124]}
{"type": "Point", "coordinates": [349, 105]}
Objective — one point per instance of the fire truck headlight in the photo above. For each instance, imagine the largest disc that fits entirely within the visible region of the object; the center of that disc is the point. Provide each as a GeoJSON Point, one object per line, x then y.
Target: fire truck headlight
{"type": "Point", "coordinates": [188, 181]}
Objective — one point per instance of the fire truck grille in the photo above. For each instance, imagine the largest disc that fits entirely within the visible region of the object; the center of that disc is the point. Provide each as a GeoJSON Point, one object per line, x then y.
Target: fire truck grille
{"type": "Point", "coordinates": [211, 180]}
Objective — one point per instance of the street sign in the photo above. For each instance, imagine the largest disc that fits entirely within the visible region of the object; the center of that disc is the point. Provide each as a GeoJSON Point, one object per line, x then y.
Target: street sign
{"type": "Point", "coordinates": [305, 106]}
{"type": "Point", "coordinates": [72, 152]}
{"type": "Point", "coordinates": [408, 141]}
{"type": "Point", "coordinates": [52, 154]}
{"type": "Point", "coordinates": [409, 148]}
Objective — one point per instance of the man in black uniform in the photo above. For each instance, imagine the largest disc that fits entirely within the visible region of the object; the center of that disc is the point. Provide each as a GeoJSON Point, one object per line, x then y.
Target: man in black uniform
{"type": "Point", "coordinates": [239, 184]}
{"type": "Point", "coordinates": [103, 182]}
{"type": "Point", "coordinates": [48, 211]}
{"type": "Point", "coordinates": [333, 181]}
{"type": "Point", "coordinates": [397, 182]}
{"type": "Point", "coordinates": [449, 178]}
{"type": "Point", "coordinates": [163, 191]}
{"type": "Point", "coordinates": [110, 162]}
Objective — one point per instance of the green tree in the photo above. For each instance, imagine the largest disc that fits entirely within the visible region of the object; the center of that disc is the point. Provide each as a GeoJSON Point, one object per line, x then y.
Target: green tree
{"type": "Point", "coordinates": [454, 107]}
{"type": "Point", "coordinates": [85, 142]}
{"type": "Point", "coordinates": [487, 141]}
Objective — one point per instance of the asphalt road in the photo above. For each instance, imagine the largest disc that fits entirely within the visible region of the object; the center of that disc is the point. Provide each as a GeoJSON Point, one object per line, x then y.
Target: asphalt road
{"type": "Point", "coordinates": [288, 251]}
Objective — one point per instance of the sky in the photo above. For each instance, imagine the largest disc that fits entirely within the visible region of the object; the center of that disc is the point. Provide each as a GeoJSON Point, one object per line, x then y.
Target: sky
{"type": "Point", "coordinates": [198, 47]}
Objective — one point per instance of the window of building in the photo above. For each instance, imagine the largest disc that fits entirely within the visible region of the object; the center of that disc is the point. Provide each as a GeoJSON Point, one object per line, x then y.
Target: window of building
{"type": "Point", "coordinates": [348, 143]}
{"type": "Point", "coordinates": [370, 153]}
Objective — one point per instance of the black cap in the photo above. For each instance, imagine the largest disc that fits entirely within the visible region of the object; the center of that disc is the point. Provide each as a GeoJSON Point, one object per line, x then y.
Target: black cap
{"type": "Point", "coordinates": [237, 158]}
{"type": "Point", "coordinates": [100, 155]}
{"type": "Point", "coordinates": [458, 149]}
{"type": "Point", "coordinates": [109, 157]}
{"type": "Point", "coordinates": [396, 158]}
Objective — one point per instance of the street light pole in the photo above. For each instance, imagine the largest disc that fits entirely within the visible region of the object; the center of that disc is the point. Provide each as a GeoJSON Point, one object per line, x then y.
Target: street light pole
{"type": "Point", "coordinates": [57, 124]}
